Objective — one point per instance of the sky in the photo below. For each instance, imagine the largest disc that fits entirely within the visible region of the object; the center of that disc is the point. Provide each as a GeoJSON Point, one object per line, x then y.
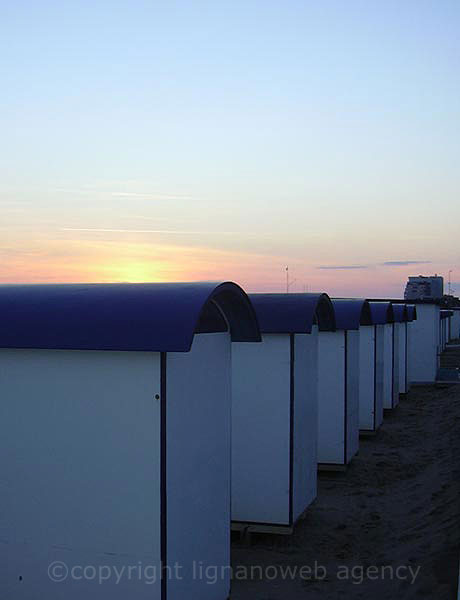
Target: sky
{"type": "Point", "coordinates": [190, 140]}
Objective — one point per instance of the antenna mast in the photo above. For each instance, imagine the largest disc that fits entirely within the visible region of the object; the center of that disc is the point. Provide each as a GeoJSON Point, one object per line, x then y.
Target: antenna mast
{"type": "Point", "coordinates": [289, 283]}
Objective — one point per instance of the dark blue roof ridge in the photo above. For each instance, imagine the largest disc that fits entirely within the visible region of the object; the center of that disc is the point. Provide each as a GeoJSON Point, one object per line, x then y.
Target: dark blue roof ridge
{"type": "Point", "coordinates": [382, 312]}
{"type": "Point", "coordinates": [400, 312]}
{"type": "Point", "coordinates": [158, 317]}
{"type": "Point", "coordinates": [435, 301]}
{"type": "Point", "coordinates": [411, 312]}
{"type": "Point", "coordinates": [351, 313]}
{"type": "Point", "coordinates": [293, 312]}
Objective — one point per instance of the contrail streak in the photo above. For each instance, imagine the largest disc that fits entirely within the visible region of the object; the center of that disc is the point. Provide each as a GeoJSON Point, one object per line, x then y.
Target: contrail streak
{"type": "Point", "coordinates": [165, 231]}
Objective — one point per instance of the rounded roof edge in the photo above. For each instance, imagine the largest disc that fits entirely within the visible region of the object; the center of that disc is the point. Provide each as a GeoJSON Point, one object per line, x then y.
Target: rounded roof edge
{"type": "Point", "coordinates": [382, 312]}
{"type": "Point", "coordinates": [293, 313]}
{"type": "Point", "coordinates": [156, 317]}
{"type": "Point", "coordinates": [400, 313]}
{"type": "Point", "coordinates": [411, 312]}
{"type": "Point", "coordinates": [351, 313]}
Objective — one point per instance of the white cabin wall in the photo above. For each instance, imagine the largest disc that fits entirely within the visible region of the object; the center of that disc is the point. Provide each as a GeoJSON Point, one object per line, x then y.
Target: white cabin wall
{"type": "Point", "coordinates": [455, 330]}
{"type": "Point", "coordinates": [198, 417]}
{"type": "Point", "coordinates": [396, 332]}
{"type": "Point", "coordinates": [305, 421]}
{"type": "Point", "coordinates": [380, 382]}
{"type": "Point", "coordinates": [424, 344]}
{"type": "Point", "coordinates": [261, 387]}
{"type": "Point", "coordinates": [352, 405]}
{"type": "Point", "coordinates": [80, 471]}
{"type": "Point", "coordinates": [456, 325]}
{"type": "Point", "coordinates": [410, 347]}
{"type": "Point", "coordinates": [402, 358]}
{"type": "Point", "coordinates": [331, 397]}
{"type": "Point", "coordinates": [366, 377]}
{"type": "Point", "coordinates": [387, 334]}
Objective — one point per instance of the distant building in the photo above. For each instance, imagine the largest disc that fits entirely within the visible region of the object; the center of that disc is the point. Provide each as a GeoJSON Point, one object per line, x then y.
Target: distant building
{"type": "Point", "coordinates": [424, 287]}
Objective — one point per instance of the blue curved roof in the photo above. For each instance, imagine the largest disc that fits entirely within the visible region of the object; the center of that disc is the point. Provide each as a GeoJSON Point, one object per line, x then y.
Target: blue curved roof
{"type": "Point", "coordinates": [411, 312]}
{"type": "Point", "coordinates": [400, 313]}
{"type": "Point", "coordinates": [158, 317]}
{"type": "Point", "coordinates": [382, 312]}
{"type": "Point", "coordinates": [293, 313]}
{"type": "Point", "coordinates": [350, 313]}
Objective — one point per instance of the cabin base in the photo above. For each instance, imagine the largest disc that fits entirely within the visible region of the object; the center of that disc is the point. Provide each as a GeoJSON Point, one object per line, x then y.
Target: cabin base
{"type": "Point", "coordinates": [368, 432]}
{"type": "Point", "coordinates": [337, 467]}
{"type": "Point", "coordinates": [246, 529]}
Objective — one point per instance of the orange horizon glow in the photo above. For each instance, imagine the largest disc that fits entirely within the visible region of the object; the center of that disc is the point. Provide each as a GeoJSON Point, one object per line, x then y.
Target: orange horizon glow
{"type": "Point", "coordinates": [85, 261]}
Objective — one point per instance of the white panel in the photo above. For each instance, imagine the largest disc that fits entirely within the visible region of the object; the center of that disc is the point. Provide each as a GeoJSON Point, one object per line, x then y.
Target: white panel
{"type": "Point", "coordinates": [198, 466]}
{"type": "Point", "coordinates": [366, 378]}
{"type": "Point", "coordinates": [387, 365]}
{"type": "Point", "coordinates": [331, 397]}
{"type": "Point", "coordinates": [395, 363]}
{"type": "Point", "coordinates": [381, 383]}
{"type": "Point", "coordinates": [455, 325]}
{"type": "Point", "coordinates": [80, 472]}
{"type": "Point", "coordinates": [352, 405]}
{"type": "Point", "coordinates": [305, 421]}
{"type": "Point", "coordinates": [402, 358]}
{"type": "Point", "coordinates": [424, 344]}
{"type": "Point", "coordinates": [261, 399]}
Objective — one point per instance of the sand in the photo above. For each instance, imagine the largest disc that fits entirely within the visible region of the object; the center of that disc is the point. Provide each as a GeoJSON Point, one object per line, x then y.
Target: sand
{"type": "Point", "coordinates": [397, 505]}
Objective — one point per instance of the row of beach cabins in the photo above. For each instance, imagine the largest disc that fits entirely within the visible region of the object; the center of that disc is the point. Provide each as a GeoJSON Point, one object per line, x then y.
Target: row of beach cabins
{"type": "Point", "coordinates": [140, 423]}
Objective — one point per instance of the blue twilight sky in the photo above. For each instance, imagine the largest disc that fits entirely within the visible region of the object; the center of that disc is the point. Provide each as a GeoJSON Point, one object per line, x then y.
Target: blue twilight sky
{"type": "Point", "coordinates": [147, 141]}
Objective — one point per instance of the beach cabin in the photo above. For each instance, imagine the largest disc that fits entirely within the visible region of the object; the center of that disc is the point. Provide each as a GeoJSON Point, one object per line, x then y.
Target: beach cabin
{"type": "Point", "coordinates": [115, 438]}
{"type": "Point", "coordinates": [445, 328]}
{"type": "Point", "coordinates": [275, 412]}
{"type": "Point", "coordinates": [442, 330]}
{"type": "Point", "coordinates": [411, 317]}
{"type": "Point", "coordinates": [424, 343]}
{"type": "Point", "coordinates": [455, 323]}
{"type": "Point", "coordinates": [383, 318]}
{"type": "Point", "coordinates": [338, 384]}
{"type": "Point", "coordinates": [370, 398]}
{"type": "Point", "coordinates": [448, 325]}
{"type": "Point", "coordinates": [400, 384]}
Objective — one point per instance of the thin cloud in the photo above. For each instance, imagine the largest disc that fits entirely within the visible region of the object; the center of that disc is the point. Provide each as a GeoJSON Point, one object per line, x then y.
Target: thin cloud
{"type": "Point", "coordinates": [342, 267]}
{"type": "Point", "coordinates": [152, 195]}
{"type": "Point", "coordinates": [162, 231]}
{"type": "Point", "coordinates": [403, 263]}
{"type": "Point", "coordinates": [128, 194]}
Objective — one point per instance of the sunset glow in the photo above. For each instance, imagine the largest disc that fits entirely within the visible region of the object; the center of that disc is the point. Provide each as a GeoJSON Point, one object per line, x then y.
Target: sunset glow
{"type": "Point", "coordinates": [319, 138]}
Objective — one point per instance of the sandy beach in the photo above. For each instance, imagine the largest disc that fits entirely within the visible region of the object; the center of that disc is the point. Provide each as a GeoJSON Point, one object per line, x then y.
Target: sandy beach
{"type": "Point", "coordinates": [388, 527]}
